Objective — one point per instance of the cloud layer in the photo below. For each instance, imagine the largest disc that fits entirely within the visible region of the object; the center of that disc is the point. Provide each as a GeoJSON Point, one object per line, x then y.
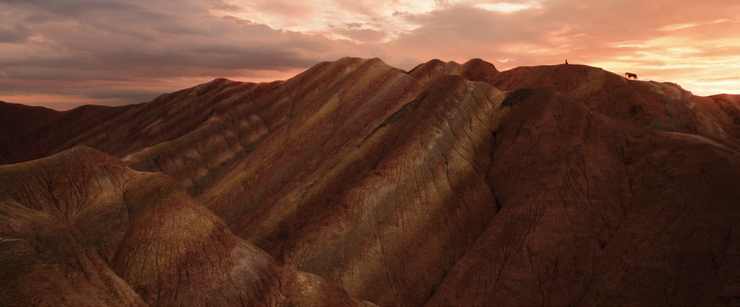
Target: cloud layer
{"type": "Point", "coordinates": [73, 52]}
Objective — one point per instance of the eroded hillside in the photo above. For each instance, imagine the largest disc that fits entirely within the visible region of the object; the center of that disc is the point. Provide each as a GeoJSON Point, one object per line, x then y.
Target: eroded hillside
{"type": "Point", "coordinates": [450, 184]}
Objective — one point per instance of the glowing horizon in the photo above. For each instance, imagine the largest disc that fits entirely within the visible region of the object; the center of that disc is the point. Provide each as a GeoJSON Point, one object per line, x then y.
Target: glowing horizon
{"type": "Point", "coordinates": [65, 53]}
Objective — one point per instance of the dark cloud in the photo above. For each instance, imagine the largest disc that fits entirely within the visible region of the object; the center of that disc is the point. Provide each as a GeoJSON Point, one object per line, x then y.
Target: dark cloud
{"type": "Point", "coordinates": [12, 36]}
{"type": "Point", "coordinates": [118, 50]}
{"type": "Point", "coordinates": [85, 41]}
{"type": "Point", "coordinates": [222, 5]}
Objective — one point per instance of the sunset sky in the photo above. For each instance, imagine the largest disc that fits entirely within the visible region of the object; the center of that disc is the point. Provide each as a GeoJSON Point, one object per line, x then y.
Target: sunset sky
{"type": "Point", "coordinates": [65, 53]}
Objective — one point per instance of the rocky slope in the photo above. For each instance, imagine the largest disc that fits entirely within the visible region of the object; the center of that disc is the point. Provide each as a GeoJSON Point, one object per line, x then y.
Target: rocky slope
{"type": "Point", "coordinates": [81, 229]}
{"type": "Point", "coordinates": [450, 184]}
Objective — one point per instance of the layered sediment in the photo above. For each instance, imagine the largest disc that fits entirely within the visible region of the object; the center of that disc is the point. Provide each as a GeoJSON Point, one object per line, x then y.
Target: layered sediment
{"type": "Point", "coordinates": [359, 183]}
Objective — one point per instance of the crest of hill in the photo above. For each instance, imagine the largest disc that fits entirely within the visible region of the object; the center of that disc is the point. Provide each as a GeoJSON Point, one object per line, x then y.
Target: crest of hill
{"type": "Point", "coordinates": [31, 133]}
{"type": "Point", "coordinates": [452, 184]}
{"type": "Point", "coordinates": [657, 106]}
{"type": "Point", "coordinates": [473, 70]}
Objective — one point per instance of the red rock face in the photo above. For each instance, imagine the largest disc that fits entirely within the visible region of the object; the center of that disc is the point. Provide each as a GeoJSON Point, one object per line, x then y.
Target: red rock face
{"type": "Point", "coordinates": [80, 228]}
{"type": "Point", "coordinates": [452, 184]}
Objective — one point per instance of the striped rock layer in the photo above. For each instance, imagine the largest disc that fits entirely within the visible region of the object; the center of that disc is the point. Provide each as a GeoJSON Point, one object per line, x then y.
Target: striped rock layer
{"type": "Point", "coordinates": [356, 183]}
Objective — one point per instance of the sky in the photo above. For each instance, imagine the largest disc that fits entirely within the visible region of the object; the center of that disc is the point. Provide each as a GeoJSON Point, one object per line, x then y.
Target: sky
{"type": "Point", "coordinates": [65, 53]}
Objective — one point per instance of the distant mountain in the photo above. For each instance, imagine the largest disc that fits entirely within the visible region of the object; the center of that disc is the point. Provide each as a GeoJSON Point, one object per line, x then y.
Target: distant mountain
{"type": "Point", "coordinates": [358, 183]}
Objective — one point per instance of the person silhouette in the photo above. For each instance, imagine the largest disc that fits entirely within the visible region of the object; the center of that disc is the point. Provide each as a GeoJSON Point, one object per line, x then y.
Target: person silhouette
{"type": "Point", "coordinates": [566, 61]}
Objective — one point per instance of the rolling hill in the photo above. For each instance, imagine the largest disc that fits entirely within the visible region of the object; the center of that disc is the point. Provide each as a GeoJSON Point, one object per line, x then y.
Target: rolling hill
{"type": "Point", "coordinates": [357, 183]}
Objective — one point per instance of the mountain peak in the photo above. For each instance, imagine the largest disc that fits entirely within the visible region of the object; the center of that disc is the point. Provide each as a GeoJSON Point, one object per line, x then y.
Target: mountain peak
{"type": "Point", "coordinates": [355, 183]}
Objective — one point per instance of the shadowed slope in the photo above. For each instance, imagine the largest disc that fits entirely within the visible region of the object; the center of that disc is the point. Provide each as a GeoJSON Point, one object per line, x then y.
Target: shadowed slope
{"type": "Point", "coordinates": [658, 106]}
{"type": "Point", "coordinates": [138, 129]}
{"type": "Point", "coordinates": [452, 184]}
{"type": "Point", "coordinates": [388, 213]}
{"type": "Point", "coordinates": [28, 133]}
{"type": "Point", "coordinates": [79, 228]}
{"type": "Point", "coordinates": [596, 211]}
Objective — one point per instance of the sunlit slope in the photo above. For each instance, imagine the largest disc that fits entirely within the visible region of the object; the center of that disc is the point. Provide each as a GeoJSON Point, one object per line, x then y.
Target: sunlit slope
{"type": "Point", "coordinates": [449, 184]}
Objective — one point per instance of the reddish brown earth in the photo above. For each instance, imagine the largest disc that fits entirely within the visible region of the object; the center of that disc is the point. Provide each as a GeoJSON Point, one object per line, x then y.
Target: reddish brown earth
{"type": "Point", "coordinates": [357, 183]}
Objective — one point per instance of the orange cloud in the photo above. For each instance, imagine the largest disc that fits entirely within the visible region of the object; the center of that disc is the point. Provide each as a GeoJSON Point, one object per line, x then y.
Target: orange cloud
{"type": "Point", "coordinates": [118, 51]}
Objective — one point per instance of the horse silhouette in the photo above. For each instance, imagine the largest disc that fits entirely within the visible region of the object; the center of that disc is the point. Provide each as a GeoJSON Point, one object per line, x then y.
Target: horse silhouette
{"type": "Point", "coordinates": [630, 75]}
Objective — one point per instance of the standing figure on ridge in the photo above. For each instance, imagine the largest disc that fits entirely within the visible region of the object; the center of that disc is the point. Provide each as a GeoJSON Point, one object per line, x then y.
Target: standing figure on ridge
{"type": "Point", "coordinates": [566, 61]}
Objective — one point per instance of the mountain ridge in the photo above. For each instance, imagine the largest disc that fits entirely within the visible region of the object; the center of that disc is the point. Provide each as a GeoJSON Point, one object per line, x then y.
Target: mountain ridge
{"type": "Point", "coordinates": [449, 184]}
